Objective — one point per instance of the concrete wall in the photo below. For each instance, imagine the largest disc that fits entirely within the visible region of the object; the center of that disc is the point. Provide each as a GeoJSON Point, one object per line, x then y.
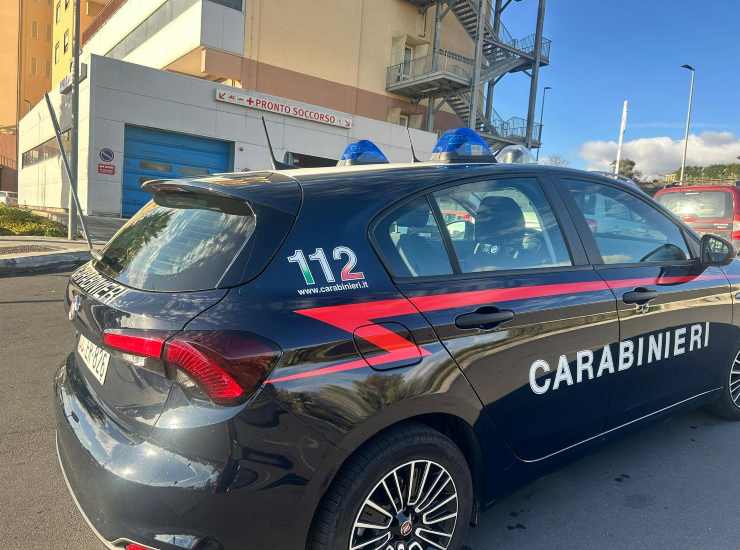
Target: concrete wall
{"type": "Point", "coordinates": [202, 24]}
{"type": "Point", "coordinates": [45, 183]}
{"type": "Point", "coordinates": [124, 93]}
{"type": "Point", "coordinates": [350, 42]}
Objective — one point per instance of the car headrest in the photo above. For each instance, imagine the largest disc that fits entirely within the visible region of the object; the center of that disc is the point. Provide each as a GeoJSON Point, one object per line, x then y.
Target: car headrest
{"type": "Point", "coordinates": [498, 218]}
{"type": "Point", "coordinates": [414, 217]}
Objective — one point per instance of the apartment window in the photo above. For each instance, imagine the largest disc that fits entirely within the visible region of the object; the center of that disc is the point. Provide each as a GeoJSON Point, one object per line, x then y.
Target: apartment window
{"type": "Point", "coordinates": [33, 66]}
{"type": "Point", "coordinates": [56, 53]}
{"type": "Point", "coordinates": [58, 12]}
{"type": "Point", "coordinates": [48, 32]}
{"type": "Point", "coordinates": [66, 41]}
{"type": "Point", "coordinates": [403, 120]}
{"type": "Point", "coordinates": [48, 68]}
{"type": "Point", "coordinates": [408, 57]}
{"type": "Point", "coordinates": [34, 30]}
{"type": "Point", "coordinates": [46, 151]}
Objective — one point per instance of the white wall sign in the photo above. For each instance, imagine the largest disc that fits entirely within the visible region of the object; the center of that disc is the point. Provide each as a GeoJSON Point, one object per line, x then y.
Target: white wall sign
{"type": "Point", "coordinates": [283, 107]}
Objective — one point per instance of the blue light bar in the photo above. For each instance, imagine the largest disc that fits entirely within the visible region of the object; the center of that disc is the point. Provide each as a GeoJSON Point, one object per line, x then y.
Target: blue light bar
{"type": "Point", "coordinates": [462, 145]}
{"type": "Point", "coordinates": [362, 152]}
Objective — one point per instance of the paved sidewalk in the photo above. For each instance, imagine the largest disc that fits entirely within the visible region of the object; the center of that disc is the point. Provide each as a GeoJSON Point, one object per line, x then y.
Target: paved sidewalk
{"type": "Point", "coordinates": [23, 255]}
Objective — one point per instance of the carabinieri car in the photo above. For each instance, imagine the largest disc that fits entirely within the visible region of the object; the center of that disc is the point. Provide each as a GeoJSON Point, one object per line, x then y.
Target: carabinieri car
{"type": "Point", "coordinates": [364, 357]}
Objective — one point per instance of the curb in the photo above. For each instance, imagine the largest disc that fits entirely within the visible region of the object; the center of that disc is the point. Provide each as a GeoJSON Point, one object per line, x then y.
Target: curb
{"type": "Point", "coordinates": [43, 262]}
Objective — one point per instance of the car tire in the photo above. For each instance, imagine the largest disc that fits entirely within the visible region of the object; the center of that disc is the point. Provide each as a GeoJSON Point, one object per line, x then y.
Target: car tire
{"type": "Point", "coordinates": [407, 452]}
{"type": "Point", "coordinates": [728, 405]}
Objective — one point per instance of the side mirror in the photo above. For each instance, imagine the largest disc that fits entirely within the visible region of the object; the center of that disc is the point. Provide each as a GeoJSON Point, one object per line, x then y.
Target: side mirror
{"type": "Point", "coordinates": [716, 251]}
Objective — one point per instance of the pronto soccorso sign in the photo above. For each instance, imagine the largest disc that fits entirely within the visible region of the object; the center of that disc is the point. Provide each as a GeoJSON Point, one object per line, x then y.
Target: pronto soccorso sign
{"type": "Point", "coordinates": [283, 107]}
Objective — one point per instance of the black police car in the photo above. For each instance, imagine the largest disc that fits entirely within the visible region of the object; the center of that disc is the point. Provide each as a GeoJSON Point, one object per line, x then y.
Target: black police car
{"type": "Point", "coordinates": [363, 357]}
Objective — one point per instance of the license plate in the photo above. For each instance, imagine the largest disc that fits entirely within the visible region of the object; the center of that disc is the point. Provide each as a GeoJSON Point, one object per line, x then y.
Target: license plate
{"type": "Point", "coordinates": [95, 358]}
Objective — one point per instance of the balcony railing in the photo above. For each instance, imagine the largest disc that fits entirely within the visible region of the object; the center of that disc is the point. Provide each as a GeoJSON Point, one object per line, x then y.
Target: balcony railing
{"type": "Point", "coordinates": [445, 63]}
{"type": "Point", "coordinates": [525, 44]}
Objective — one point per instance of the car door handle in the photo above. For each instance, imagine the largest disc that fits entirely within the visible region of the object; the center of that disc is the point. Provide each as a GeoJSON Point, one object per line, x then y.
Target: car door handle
{"type": "Point", "coordinates": [486, 317]}
{"type": "Point", "coordinates": [639, 296]}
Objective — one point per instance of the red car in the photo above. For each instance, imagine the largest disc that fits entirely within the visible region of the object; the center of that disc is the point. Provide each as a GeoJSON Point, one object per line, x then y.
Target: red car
{"type": "Point", "coordinates": [706, 208]}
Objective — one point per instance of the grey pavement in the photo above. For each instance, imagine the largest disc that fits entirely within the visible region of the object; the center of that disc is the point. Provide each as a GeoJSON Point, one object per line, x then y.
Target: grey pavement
{"type": "Point", "coordinates": [22, 255]}
{"type": "Point", "coordinates": [669, 486]}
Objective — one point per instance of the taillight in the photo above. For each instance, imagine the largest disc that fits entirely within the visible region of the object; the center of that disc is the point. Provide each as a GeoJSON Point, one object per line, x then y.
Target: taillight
{"type": "Point", "coordinates": [228, 366]}
{"type": "Point", "coordinates": [143, 343]}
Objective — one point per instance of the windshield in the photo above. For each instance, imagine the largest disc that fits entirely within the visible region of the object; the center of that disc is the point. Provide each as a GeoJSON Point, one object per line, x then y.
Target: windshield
{"type": "Point", "coordinates": [698, 204]}
{"type": "Point", "coordinates": [179, 242]}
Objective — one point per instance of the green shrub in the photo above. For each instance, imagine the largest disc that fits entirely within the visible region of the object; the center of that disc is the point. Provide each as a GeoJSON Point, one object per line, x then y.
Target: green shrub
{"type": "Point", "coordinates": [16, 221]}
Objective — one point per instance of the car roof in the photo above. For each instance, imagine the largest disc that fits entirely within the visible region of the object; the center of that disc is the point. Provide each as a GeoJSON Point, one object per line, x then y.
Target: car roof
{"type": "Point", "coordinates": [419, 174]}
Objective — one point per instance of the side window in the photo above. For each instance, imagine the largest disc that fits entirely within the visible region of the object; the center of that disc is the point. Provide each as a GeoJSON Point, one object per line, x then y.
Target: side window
{"type": "Point", "coordinates": [626, 229]}
{"type": "Point", "coordinates": [411, 243]}
{"type": "Point", "coordinates": [502, 224]}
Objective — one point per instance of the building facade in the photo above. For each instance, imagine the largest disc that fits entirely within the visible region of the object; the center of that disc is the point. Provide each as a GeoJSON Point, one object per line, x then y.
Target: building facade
{"type": "Point", "coordinates": [177, 88]}
{"type": "Point", "coordinates": [63, 33]}
{"type": "Point", "coordinates": [25, 72]}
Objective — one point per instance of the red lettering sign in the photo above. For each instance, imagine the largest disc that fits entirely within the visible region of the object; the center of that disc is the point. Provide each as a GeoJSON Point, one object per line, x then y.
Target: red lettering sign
{"type": "Point", "coordinates": [107, 169]}
{"type": "Point", "coordinates": [283, 108]}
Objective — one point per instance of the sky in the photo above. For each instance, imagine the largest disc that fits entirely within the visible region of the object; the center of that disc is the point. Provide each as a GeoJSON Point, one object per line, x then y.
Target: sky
{"type": "Point", "coordinates": [606, 51]}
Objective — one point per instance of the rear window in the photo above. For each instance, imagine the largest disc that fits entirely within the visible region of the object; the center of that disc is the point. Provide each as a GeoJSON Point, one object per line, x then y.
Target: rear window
{"type": "Point", "coordinates": [698, 204]}
{"type": "Point", "coordinates": [179, 242]}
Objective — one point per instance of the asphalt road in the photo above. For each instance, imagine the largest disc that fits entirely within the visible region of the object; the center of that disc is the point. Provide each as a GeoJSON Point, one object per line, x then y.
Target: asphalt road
{"type": "Point", "coordinates": [673, 485]}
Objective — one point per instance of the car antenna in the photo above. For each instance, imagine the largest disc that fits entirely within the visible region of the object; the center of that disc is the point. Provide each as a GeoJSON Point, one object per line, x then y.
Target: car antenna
{"type": "Point", "coordinates": [411, 143]}
{"type": "Point", "coordinates": [276, 164]}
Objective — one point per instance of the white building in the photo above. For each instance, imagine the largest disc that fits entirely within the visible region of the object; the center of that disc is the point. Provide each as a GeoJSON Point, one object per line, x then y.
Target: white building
{"type": "Point", "coordinates": [177, 88]}
{"type": "Point", "coordinates": [138, 123]}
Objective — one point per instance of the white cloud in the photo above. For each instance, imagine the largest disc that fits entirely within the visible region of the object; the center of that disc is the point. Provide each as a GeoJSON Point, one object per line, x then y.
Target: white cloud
{"type": "Point", "coordinates": [660, 155]}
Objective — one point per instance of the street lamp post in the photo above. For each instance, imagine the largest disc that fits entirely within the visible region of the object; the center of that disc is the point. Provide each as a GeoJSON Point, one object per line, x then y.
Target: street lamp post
{"type": "Point", "coordinates": [542, 116]}
{"type": "Point", "coordinates": [688, 119]}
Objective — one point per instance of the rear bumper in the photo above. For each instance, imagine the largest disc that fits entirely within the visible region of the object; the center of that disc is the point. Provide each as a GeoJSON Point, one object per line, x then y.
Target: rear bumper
{"type": "Point", "coordinates": [157, 493]}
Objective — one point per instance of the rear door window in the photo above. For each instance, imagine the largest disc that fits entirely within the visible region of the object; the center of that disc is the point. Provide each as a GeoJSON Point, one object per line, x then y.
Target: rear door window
{"type": "Point", "coordinates": [411, 243]}
{"type": "Point", "coordinates": [501, 225]}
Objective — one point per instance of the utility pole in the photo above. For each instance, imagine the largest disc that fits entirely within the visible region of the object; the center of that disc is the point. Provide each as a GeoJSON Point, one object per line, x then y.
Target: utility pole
{"type": "Point", "coordinates": [535, 72]}
{"type": "Point", "coordinates": [74, 130]}
{"type": "Point", "coordinates": [622, 129]}
{"type": "Point", "coordinates": [473, 117]}
{"type": "Point", "coordinates": [688, 119]}
{"type": "Point", "coordinates": [542, 117]}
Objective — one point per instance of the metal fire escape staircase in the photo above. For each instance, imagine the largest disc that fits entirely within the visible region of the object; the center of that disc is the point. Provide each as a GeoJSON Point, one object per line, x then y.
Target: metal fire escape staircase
{"type": "Point", "coordinates": [449, 75]}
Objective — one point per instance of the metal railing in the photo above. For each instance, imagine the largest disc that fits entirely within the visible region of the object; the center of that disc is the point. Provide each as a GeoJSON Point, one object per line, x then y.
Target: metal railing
{"type": "Point", "coordinates": [444, 62]}
{"type": "Point", "coordinates": [526, 44]}
{"type": "Point", "coordinates": [8, 162]}
{"type": "Point", "coordinates": [514, 128]}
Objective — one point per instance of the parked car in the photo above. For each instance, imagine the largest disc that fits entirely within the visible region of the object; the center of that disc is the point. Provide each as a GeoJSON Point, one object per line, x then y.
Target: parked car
{"type": "Point", "coordinates": [9, 198]}
{"type": "Point", "coordinates": [711, 209]}
{"type": "Point", "coordinates": [314, 359]}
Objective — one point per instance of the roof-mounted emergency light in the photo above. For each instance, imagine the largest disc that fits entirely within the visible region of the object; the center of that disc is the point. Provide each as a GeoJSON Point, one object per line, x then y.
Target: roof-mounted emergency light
{"type": "Point", "coordinates": [462, 145]}
{"type": "Point", "coordinates": [362, 152]}
{"type": "Point", "coordinates": [515, 154]}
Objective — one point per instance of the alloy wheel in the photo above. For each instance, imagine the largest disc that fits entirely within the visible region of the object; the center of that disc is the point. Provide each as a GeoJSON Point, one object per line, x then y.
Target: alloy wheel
{"type": "Point", "coordinates": [735, 381]}
{"type": "Point", "coordinates": [414, 507]}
